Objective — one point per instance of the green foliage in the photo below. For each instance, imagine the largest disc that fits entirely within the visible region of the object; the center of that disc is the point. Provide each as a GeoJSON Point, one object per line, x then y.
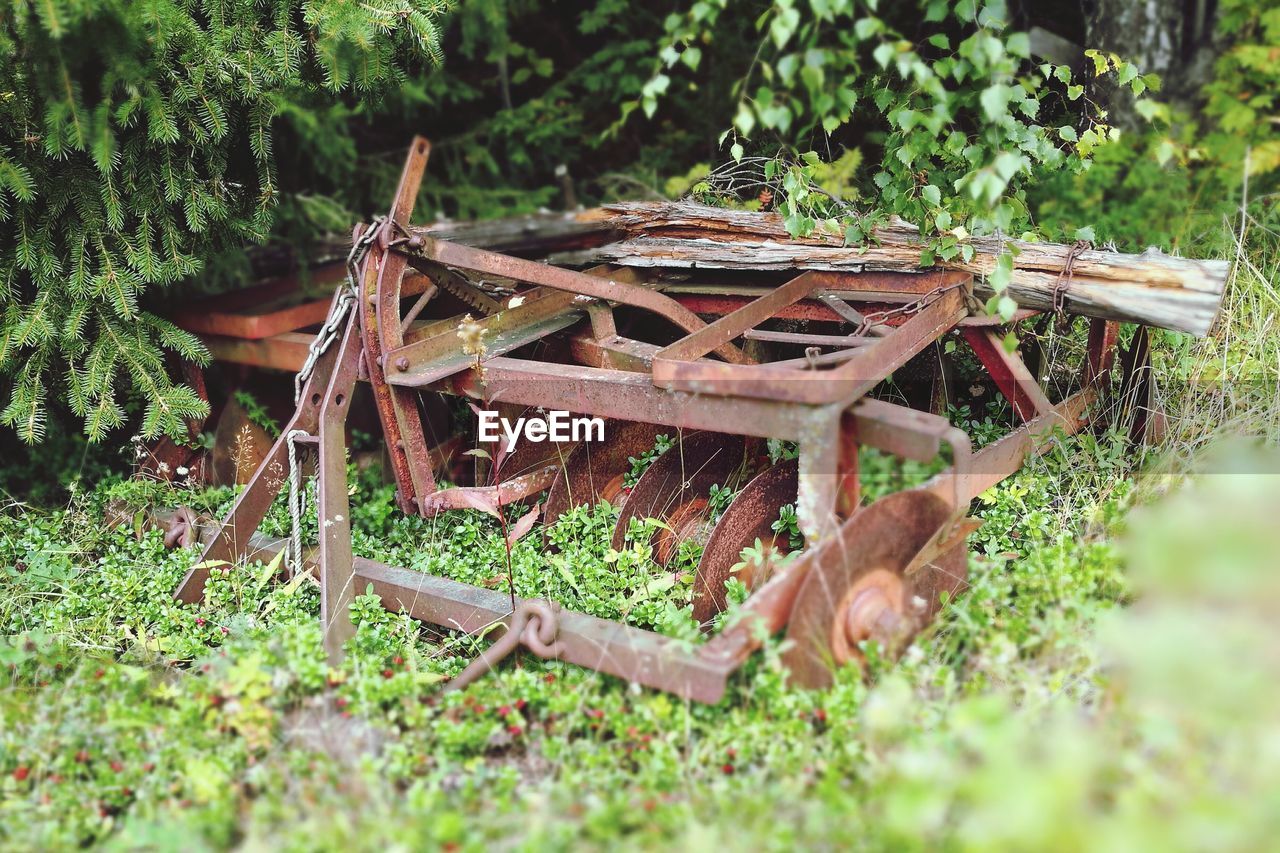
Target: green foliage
{"type": "Point", "coordinates": [640, 464]}
{"type": "Point", "coordinates": [253, 739]}
{"type": "Point", "coordinates": [136, 138]}
{"type": "Point", "coordinates": [257, 413]}
{"type": "Point", "coordinates": [1244, 95]}
{"type": "Point", "coordinates": [963, 117]}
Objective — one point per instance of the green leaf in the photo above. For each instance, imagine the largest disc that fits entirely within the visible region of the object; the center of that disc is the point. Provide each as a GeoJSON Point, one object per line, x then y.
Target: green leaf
{"type": "Point", "coordinates": [995, 101]}
{"type": "Point", "coordinates": [865, 28]}
{"type": "Point", "coordinates": [783, 26]}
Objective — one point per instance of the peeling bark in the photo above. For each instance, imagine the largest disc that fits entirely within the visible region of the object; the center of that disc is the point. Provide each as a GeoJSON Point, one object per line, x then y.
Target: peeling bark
{"type": "Point", "coordinates": [1151, 288]}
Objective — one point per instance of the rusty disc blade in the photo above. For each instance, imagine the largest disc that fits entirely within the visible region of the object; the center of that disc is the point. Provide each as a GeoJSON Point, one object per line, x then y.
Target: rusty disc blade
{"type": "Point", "coordinates": [869, 558]}
{"type": "Point", "coordinates": [594, 471]}
{"type": "Point", "coordinates": [675, 488]}
{"type": "Point", "coordinates": [748, 518]}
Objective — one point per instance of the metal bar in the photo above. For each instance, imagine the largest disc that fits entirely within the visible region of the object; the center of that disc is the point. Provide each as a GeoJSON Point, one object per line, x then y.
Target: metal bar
{"type": "Point", "coordinates": [810, 309]}
{"type": "Point", "coordinates": [271, 308]}
{"type": "Point", "coordinates": [232, 539]}
{"type": "Point", "coordinates": [732, 325]}
{"type": "Point", "coordinates": [638, 656]}
{"type": "Point", "coordinates": [632, 654]}
{"type": "Point", "coordinates": [612, 290]}
{"type": "Point", "coordinates": [627, 395]}
{"type": "Point", "coordinates": [1011, 375]}
{"type": "Point", "coordinates": [333, 505]}
{"type": "Point", "coordinates": [614, 352]}
{"type": "Point", "coordinates": [418, 304]}
{"type": "Point", "coordinates": [845, 310]}
{"type": "Point", "coordinates": [849, 489]}
{"type": "Point", "coordinates": [809, 362]}
{"type": "Point", "coordinates": [805, 338]}
{"type": "Point", "coordinates": [287, 351]}
{"type": "Point", "coordinates": [228, 314]}
{"type": "Point", "coordinates": [1001, 458]}
{"type": "Point", "coordinates": [624, 395]}
{"type": "Point", "coordinates": [429, 359]}
{"type": "Point", "coordinates": [486, 498]}
{"type": "Point", "coordinates": [817, 494]}
{"type": "Point", "coordinates": [1101, 352]}
{"type": "Point", "coordinates": [380, 326]}
{"type": "Point", "coordinates": [871, 365]}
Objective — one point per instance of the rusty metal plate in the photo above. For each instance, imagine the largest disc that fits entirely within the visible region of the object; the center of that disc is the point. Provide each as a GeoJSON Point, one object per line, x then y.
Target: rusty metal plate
{"type": "Point", "coordinates": [884, 537]}
{"type": "Point", "coordinates": [748, 518]}
{"type": "Point", "coordinates": [594, 471]}
{"type": "Point", "coordinates": [675, 487]}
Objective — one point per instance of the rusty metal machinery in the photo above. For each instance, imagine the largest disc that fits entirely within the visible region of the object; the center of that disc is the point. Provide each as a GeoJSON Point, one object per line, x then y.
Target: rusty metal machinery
{"type": "Point", "coordinates": [710, 363]}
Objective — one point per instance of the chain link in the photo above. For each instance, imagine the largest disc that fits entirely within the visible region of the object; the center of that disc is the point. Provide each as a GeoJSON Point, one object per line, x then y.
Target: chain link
{"type": "Point", "coordinates": [1065, 276]}
{"type": "Point", "coordinates": [534, 624]}
{"type": "Point", "coordinates": [906, 310]}
{"type": "Point", "coordinates": [346, 299]}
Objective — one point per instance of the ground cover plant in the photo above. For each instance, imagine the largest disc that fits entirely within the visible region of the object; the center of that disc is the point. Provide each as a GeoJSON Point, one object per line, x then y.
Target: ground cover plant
{"type": "Point", "coordinates": [1041, 709]}
{"type": "Point", "coordinates": [1106, 679]}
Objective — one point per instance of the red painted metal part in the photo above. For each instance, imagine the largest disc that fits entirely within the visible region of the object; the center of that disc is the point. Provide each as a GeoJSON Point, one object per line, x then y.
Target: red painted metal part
{"type": "Point", "coordinates": [1010, 373]}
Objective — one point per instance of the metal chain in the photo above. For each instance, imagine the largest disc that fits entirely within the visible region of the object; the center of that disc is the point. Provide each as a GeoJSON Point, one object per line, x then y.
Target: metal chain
{"type": "Point", "coordinates": [1060, 286]}
{"type": "Point", "coordinates": [534, 624]}
{"type": "Point", "coordinates": [906, 310]}
{"type": "Point", "coordinates": [296, 498]}
{"type": "Point", "coordinates": [333, 326]}
{"type": "Point", "coordinates": [346, 298]}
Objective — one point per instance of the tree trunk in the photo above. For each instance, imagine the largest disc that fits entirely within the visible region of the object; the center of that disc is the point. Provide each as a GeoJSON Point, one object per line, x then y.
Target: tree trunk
{"type": "Point", "coordinates": [1171, 38]}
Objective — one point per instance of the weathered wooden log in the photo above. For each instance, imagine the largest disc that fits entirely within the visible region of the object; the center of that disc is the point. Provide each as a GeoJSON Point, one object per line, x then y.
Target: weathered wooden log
{"type": "Point", "coordinates": [535, 234]}
{"type": "Point", "coordinates": [1151, 288]}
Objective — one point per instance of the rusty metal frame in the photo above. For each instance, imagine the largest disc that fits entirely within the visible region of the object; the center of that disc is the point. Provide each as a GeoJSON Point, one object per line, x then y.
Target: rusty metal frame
{"type": "Point", "coordinates": [698, 672]}
{"type": "Point", "coordinates": [681, 366]}
{"type": "Point", "coordinates": [826, 412]}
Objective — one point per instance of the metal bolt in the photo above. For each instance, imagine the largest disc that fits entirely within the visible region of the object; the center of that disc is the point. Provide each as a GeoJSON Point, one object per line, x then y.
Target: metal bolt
{"type": "Point", "coordinates": [415, 242]}
{"type": "Point", "coordinates": [402, 364]}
